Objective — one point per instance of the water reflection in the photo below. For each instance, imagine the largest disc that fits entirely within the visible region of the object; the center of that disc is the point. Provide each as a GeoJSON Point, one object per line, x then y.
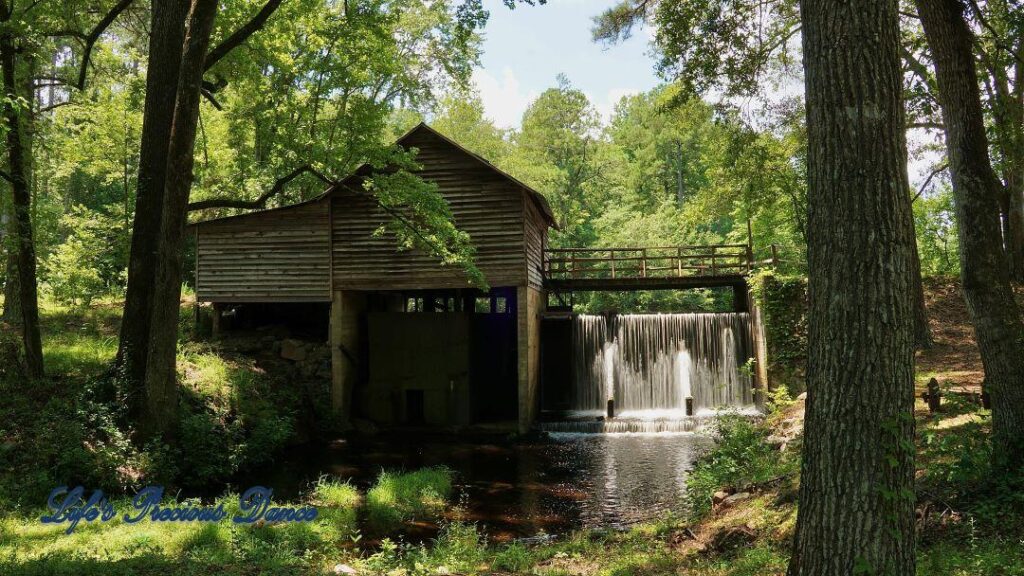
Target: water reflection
{"type": "Point", "coordinates": [521, 489]}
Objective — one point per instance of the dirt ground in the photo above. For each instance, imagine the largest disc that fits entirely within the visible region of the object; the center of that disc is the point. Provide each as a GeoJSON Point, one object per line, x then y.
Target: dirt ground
{"type": "Point", "coordinates": [954, 359]}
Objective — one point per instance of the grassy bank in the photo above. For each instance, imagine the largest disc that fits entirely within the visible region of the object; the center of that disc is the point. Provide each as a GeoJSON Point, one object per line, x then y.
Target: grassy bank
{"type": "Point", "coordinates": [70, 427]}
{"type": "Point", "coordinates": [743, 494]}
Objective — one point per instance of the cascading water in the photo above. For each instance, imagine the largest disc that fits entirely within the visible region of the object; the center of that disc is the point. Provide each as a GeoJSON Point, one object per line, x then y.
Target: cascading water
{"type": "Point", "coordinates": [649, 364]}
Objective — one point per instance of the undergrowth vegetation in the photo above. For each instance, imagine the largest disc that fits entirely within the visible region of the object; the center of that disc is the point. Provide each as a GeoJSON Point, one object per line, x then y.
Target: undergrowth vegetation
{"type": "Point", "coordinates": [397, 497]}
{"type": "Point", "coordinates": [66, 430]}
{"type": "Point", "coordinates": [71, 428]}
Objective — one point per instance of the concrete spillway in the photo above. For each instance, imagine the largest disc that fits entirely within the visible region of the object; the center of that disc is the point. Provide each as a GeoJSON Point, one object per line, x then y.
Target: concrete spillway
{"type": "Point", "coordinates": [650, 364]}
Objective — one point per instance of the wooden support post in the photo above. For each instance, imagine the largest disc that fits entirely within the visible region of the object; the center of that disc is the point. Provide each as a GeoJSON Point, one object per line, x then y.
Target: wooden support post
{"type": "Point", "coordinates": [346, 342]}
{"type": "Point", "coordinates": [611, 408]}
{"type": "Point", "coordinates": [218, 309]}
{"type": "Point", "coordinates": [933, 397]}
{"type": "Point", "coordinates": [689, 406]}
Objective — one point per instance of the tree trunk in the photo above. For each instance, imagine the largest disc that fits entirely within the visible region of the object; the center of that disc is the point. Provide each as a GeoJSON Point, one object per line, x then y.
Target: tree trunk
{"type": "Point", "coordinates": [165, 44]}
{"type": "Point", "coordinates": [161, 375]}
{"type": "Point", "coordinates": [22, 203]}
{"type": "Point", "coordinates": [922, 331]}
{"type": "Point", "coordinates": [12, 302]}
{"type": "Point", "coordinates": [1015, 214]}
{"type": "Point", "coordinates": [856, 489]}
{"type": "Point", "coordinates": [976, 190]}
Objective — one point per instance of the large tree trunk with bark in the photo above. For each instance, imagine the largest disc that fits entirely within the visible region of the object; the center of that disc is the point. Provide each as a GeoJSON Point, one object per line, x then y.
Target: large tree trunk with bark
{"type": "Point", "coordinates": [1010, 116]}
{"type": "Point", "coordinates": [856, 488]}
{"type": "Point", "coordinates": [12, 300]}
{"type": "Point", "coordinates": [922, 330]}
{"type": "Point", "coordinates": [18, 171]}
{"type": "Point", "coordinates": [976, 190]}
{"type": "Point", "coordinates": [165, 45]}
{"type": "Point", "coordinates": [1015, 214]}
{"type": "Point", "coordinates": [161, 375]}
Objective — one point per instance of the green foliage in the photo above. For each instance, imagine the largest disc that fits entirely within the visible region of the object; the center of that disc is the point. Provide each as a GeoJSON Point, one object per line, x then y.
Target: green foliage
{"type": "Point", "coordinates": [397, 497]}
{"type": "Point", "coordinates": [51, 438]}
{"type": "Point", "coordinates": [960, 469]}
{"type": "Point", "coordinates": [783, 304]}
{"type": "Point", "coordinates": [991, 556]}
{"type": "Point", "coordinates": [554, 153]}
{"type": "Point", "coordinates": [741, 457]}
{"type": "Point", "coordinates": [314, 86]}
{"type": "Point", "coordinates": [233, 417]}
{"type": "Point", "coordinates": [91, 261]}
{"type": "Point", "coordinates": [935, 225]}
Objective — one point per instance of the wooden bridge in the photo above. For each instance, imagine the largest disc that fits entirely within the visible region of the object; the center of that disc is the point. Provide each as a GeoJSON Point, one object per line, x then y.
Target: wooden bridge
{"type": "Point", "coordinates": [649, 268]}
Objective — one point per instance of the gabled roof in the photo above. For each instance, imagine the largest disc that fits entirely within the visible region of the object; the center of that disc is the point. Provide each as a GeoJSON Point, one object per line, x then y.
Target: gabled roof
{"type": "Point", "coordinates": [538, 199]}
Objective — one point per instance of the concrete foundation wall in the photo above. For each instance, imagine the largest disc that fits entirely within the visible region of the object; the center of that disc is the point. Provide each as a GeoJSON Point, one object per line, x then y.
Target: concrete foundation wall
{"type": "Point", "coordinates": [532, 303]}
{"type": "Point", "coordinates": [424, 353]}
{"type": "Point", "coordinates": [347, 342]}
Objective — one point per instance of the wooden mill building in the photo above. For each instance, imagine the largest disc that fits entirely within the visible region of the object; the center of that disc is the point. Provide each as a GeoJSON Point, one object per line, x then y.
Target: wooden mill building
{"type": "Point", "coordinates": [411, 341]}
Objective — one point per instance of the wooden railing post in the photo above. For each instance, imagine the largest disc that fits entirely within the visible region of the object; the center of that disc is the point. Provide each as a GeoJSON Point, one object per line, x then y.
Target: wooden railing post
{"type": "Point", "coordinates": [607, 263]}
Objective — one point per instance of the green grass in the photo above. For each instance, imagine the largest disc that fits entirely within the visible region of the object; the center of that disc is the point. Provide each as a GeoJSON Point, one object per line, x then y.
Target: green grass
{"type": "Point", "coordinates": [399, 497]}
{"type": "Point", "coordinates": [338, 503]}
{"type": "Point", "coordinates": [79, 342]}
{"type": "Point", "coordinates": [235, 413]}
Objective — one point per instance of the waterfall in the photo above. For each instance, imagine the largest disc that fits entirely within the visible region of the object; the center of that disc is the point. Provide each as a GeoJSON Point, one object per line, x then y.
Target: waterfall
{"type": "Point", "coordinates": [651, 363]}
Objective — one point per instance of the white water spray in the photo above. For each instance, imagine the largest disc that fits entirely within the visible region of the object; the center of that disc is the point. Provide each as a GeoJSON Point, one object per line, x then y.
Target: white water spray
{"type": "Point", "coordinates": [651, 363]}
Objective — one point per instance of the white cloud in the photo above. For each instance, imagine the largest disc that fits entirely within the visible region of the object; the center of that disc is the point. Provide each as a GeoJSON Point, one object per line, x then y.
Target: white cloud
{"type": "Point", "coordinates": [504, 99]}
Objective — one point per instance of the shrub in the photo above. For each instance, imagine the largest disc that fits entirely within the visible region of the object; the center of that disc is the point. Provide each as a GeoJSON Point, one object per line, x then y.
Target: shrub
{"type": "Point", "coordinates": [396, 498]}
{"type": "Point", "coordinates": [741, 457]}
{"type": "Point", "coordinates": [233, 418]}
{"type": "Point", "coordinates": [90, 261]}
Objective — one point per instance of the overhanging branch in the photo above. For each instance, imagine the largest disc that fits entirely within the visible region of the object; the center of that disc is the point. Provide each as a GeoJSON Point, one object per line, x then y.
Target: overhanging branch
{"type": "Point", "coordinates": [260, 202]}
{"type": "Point", "coordinates": [938, 170]}
{"type": "Point", "coordinates": [94, 35]}
{"type": "Point", "coordinates": [242, 34]}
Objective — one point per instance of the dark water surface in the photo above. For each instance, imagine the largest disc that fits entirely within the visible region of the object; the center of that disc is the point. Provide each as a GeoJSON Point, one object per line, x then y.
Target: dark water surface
{"type": "Point", "coordinates": [518, 489]}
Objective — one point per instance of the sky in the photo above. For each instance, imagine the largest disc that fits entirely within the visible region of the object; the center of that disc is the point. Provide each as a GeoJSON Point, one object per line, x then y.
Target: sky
{"type": "Point", "coordinates": [525, 49]}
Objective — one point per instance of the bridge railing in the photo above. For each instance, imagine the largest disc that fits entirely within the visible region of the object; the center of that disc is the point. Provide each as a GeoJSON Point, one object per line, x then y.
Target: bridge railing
{"type": "Point", "coordinates": [648, 262]}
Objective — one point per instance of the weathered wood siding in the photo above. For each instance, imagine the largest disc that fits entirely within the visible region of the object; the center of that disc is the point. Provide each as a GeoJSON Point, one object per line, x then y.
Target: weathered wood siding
{"type": "Point", "coordinates": [485, 205]}
{"type": "Point", "coordinates": [279, 255]}
{"type": "Point", "coordinates": [536, 238]}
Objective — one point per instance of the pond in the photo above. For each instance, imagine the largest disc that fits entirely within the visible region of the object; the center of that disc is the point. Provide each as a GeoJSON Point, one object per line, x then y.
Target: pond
{"type": "Point", "coordinates": [519, 489]}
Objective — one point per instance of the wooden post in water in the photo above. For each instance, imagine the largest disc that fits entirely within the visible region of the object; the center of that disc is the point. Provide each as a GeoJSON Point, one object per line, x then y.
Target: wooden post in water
{"type": "Point", "coordinates": [611, 408]}
{"type": "Point", "coordinates": [689, 406]}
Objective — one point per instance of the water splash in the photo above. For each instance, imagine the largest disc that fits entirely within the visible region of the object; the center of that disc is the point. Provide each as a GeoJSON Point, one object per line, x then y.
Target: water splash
{"type": "Point", "coordinates": [651, 363]}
